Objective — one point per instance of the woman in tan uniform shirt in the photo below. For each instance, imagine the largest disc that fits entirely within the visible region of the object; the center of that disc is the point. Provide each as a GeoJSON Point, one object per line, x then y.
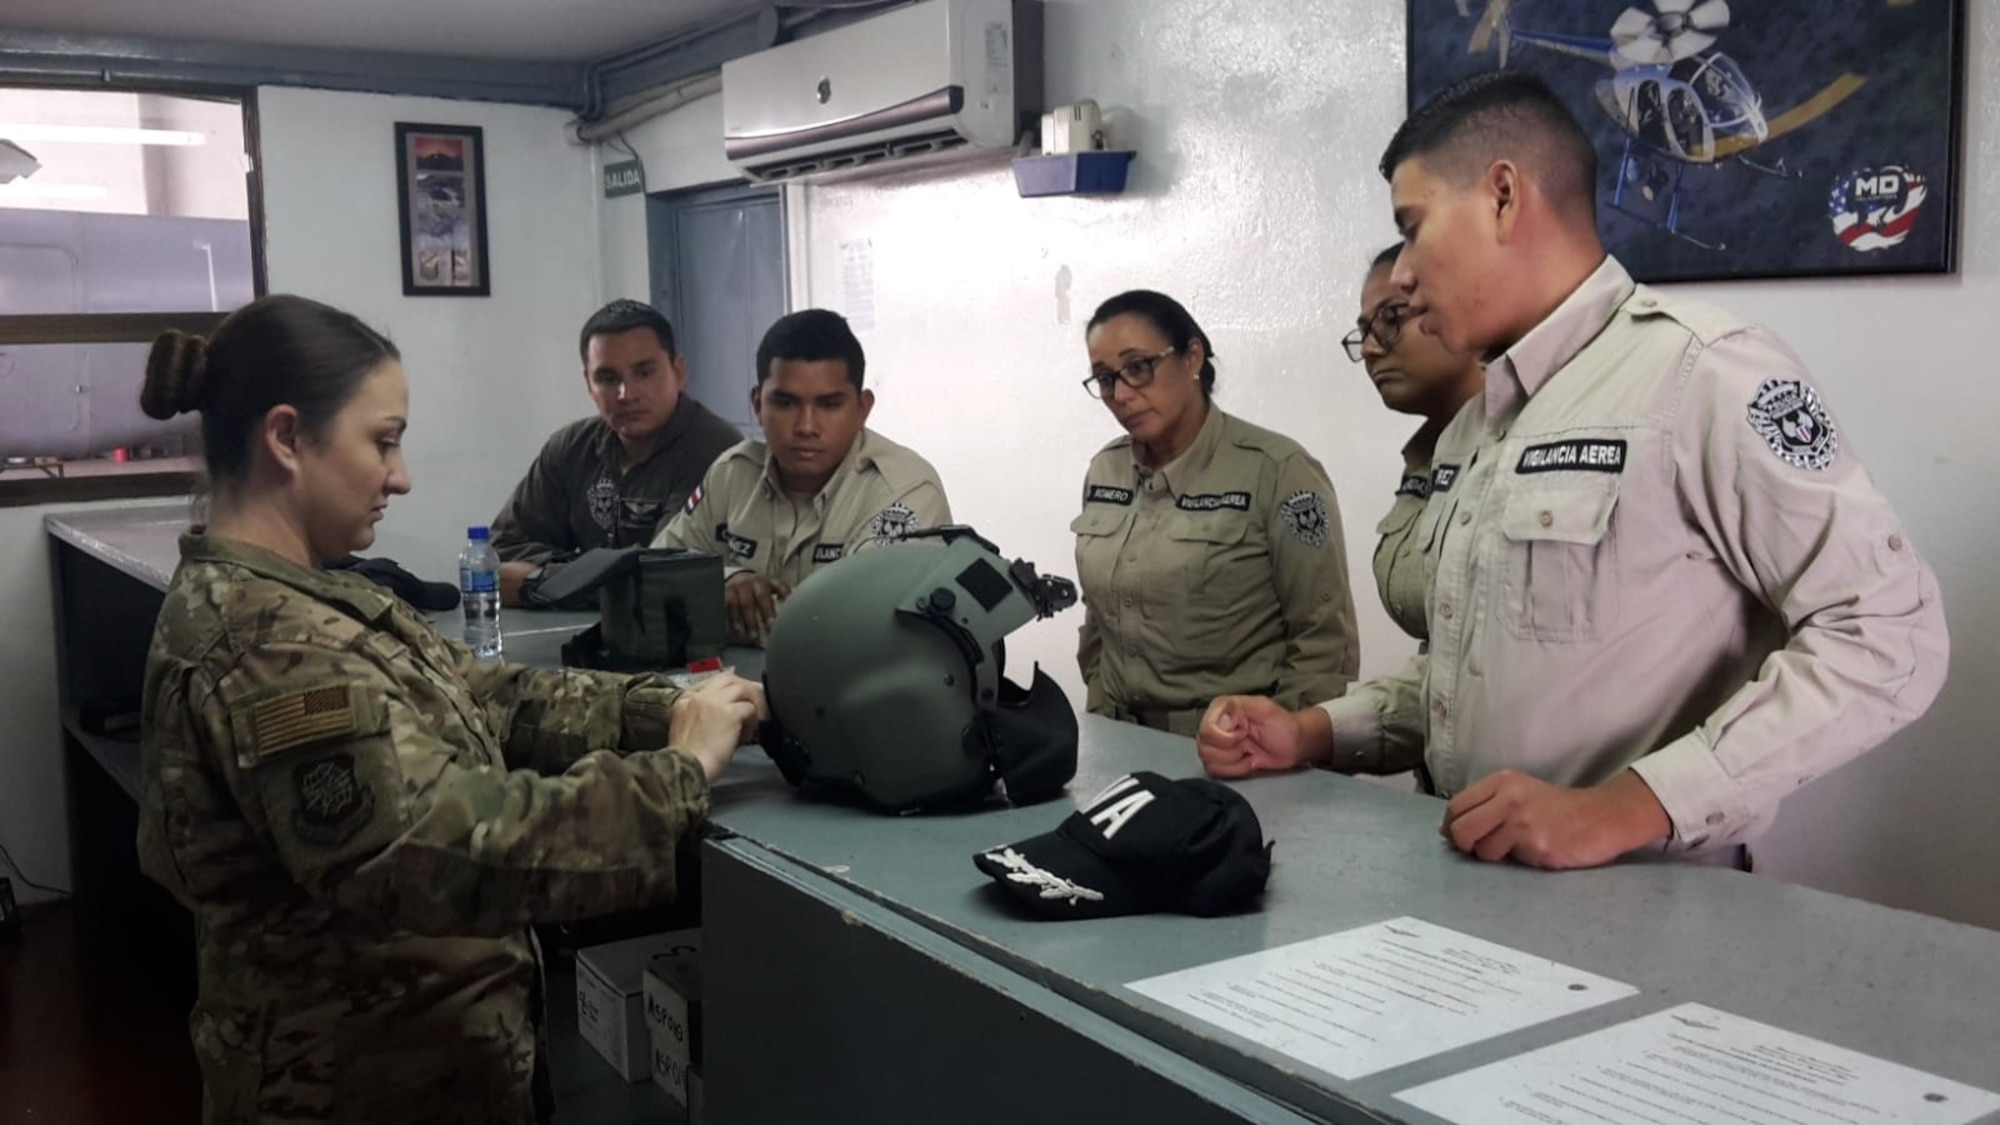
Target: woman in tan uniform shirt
{"type": "Point", "coordinates": [1414, 374]}
{"type": "Point", "coordinates": [1209, 550]}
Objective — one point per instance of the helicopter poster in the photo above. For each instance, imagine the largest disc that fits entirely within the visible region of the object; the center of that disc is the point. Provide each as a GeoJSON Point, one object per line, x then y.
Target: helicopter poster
{"type": "Point", "coordinates": [1740, 138]}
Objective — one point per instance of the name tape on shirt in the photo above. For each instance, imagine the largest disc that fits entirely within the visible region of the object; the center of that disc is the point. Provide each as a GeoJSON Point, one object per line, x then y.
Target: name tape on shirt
{"type": "Point", "coordinates": [1442, 478]}
{"type": "Point", "coordinates": [828, 552]}
{"type": "Point", "coordinates": [741, 548]}
{"type": "Point", "coordinates": [1214, 501]}
{"type": "Point", "coordinates": [1107, 494]}
{"type": "Point", "coordinates": [1415, 484]}
{"type": "Point", "coordinates": [1577, 455]}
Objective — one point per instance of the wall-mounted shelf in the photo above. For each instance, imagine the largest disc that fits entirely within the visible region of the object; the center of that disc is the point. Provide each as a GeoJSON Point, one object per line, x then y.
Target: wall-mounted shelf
{"type": "Point", "coordinates": [1074, 173]}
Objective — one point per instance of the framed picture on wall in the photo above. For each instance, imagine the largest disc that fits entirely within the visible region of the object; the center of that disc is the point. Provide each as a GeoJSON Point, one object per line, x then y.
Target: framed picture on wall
{"type": "Point", "coordinates": [441, 192]}
{"type": "Point", "coordinates": [1779, 138]}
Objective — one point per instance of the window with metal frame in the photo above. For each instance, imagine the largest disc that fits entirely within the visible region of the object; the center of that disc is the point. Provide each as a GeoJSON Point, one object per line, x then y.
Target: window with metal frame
{"type": "Point", "coordinates": [123, 213]}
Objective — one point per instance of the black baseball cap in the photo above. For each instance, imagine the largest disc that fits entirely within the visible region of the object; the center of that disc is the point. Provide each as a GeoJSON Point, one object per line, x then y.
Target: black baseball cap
{"type": "Point", "coordinates": [1145, 844]}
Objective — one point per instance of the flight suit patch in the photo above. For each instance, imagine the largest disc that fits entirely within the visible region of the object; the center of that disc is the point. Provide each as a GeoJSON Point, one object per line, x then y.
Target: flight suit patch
{"type": "Point", "coordinates": [1214, 501]}
{"type": "Point", "coordinates": [1305, 514]}
{"type": "Point", "coordinates": [602, 500]}
{"type": "Point", "coordinates": [1790, 418]}
{"type": "Point", "coordinates": [642, 514]}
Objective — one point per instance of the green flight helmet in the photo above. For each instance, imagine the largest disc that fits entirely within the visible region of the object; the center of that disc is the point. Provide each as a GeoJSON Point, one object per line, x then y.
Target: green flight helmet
{"type": "Point", "coordinates": [884, 674]}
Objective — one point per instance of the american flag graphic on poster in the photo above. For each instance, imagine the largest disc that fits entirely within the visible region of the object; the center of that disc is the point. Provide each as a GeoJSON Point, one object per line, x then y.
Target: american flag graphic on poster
{"type": "Point", "coordinates": [1875, 208]}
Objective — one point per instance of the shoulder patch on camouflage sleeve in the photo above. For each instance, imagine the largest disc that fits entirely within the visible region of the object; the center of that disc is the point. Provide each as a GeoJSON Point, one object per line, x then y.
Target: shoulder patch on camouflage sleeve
{"type": "Point", "coordinates": [334, 803]}
{"type": "Point", "coordinates": [302, 718]}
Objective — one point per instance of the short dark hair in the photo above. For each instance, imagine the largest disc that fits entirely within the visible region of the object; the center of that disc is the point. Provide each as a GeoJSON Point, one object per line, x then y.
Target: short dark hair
{"type": "Point", "coordinates": [1386, 257]}
{"type": "Point", "coordinates": [279, 350]}
{"type": "Point", "coordinates": [1168, 317]}
{"type": "Point", "coordinates": [1502, 115]}
{"type": "Point", "coordinates": [809, 335]}
{"type": "Point", "coordinates": [623, 315]}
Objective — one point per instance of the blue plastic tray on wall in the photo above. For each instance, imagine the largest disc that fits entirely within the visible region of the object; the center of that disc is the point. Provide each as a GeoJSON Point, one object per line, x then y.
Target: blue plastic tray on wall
{"type": "Point", "coordinates": [1075, 173]}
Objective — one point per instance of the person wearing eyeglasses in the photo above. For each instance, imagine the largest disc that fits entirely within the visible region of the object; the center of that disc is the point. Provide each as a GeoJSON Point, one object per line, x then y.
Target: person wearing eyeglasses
{"type": "Point", "coordinates": [1208, 550]}
{"type": "Point", "coordinates": [1415, 374]}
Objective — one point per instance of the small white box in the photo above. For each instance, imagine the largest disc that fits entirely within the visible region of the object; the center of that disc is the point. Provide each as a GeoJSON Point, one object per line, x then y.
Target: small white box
{"type": "Point", "coordinates": [673, 1022]}
{"type": "Point", "coordinates": [610, 998]}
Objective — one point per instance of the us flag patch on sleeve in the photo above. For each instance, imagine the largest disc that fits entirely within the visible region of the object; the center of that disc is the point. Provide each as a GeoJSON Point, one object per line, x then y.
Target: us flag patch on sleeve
{"type": "Point", "coordinates": [303, 718]}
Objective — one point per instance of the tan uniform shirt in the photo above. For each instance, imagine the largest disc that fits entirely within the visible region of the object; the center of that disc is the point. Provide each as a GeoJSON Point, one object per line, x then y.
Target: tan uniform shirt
{"type": "Point", "coordinates": [364, 821]}
{"type": "Point", "coordinates": [1401, 576]}
{"type": "Point", "coordinates": [881, 492]}
{"type": "Point", "coordinates": [1651, 547]}
{"type": "Point", "coordinates": [1223, 572]}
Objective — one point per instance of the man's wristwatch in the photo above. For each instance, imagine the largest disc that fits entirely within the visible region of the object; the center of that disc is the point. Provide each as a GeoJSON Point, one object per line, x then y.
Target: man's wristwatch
{"type": "Point", "coordinates": [529, 583]}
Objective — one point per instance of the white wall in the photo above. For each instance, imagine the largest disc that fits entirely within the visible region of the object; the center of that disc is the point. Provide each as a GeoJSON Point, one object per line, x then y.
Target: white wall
{"type": "Point", "coordinates": [1255, 200]}
{"type": "Point", "coordinates": [489, 377]}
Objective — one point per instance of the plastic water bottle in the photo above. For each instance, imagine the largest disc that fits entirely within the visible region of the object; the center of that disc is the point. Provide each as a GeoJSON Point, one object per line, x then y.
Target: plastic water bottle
{"type": "Point", "coordinates": [479, 593]}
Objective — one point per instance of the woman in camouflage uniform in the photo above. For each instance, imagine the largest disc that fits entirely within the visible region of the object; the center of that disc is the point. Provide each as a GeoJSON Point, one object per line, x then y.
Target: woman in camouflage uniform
{"type": "Point", "coordinates": [363, 818]}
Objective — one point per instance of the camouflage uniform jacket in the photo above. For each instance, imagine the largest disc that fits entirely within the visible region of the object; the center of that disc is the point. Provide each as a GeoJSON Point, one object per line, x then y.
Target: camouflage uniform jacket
{"type": "Point", "coordinates": [365, 820]}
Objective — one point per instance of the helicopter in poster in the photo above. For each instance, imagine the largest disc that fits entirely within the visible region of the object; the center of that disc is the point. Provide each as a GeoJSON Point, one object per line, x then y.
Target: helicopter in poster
{"type": "Point", "coordinates": [1680, 102]}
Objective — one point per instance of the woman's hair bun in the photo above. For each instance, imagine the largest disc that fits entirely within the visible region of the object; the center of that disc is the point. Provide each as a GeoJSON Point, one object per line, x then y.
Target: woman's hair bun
{"type": "Point", "coordinates": [176, 375]}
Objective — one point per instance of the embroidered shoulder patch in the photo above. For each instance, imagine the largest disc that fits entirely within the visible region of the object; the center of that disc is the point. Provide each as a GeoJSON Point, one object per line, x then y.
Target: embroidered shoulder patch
{"type": "Point", "coordinates": [334, 803]}
{"type": "Point", "coordinates": [1790, 418]}
{"type": "Point", "coordinates": [892, 522]}
{"type": "Point", "coordinates": [693, 501]}
{"type": "Point", "coordinates": [303, 718]}
{"type": "Point", "coordinates": [1305, 514]}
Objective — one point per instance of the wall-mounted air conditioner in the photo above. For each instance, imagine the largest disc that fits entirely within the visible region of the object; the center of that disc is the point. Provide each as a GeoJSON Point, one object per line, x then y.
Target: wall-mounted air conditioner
{"type": "Point", "coordinates": [931, 77]}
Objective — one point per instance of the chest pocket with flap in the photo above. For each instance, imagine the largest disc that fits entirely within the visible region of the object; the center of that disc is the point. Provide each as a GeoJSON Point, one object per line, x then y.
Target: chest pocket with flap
{"type": "Point", "coordinates": [1560, 583]}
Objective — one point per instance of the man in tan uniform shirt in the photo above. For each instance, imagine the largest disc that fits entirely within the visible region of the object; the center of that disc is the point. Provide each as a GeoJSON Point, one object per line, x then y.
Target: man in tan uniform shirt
{"type": "Point", "coordinates": [819, 487]}
{"type": "Point", "coordinates": [1664, 591]}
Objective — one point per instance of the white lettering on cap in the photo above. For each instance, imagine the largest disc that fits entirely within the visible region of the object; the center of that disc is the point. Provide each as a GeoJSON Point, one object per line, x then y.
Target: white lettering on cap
{"type": "Point", "coordinates": [1110, 817]}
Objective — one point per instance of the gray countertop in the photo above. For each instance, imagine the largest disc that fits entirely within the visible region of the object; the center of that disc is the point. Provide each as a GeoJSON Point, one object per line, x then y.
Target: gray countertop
{"type": "Point", "coordinates": [1906, 987]}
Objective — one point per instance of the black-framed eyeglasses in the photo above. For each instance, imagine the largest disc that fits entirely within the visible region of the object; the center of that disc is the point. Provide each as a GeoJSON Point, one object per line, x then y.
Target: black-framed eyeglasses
{"type": "Point", "coordinates": [1386, 326]}
{"type": "Point", "coordinates": [1134, 373]}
